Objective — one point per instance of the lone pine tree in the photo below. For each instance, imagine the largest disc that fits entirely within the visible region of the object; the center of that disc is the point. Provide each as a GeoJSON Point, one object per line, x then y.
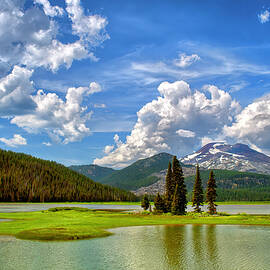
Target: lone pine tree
{"type": "Point", "coordinates": [169, 189]}
{"type": "Point", "coordinates": [211, 194]}
{"type": "Point", "coordinates": [159, 204]}
{"type": "Point", "coordinates": [197, 198]}
{"type": "Point", "coordinates": [179, 203]}
{"type": "Point", "coordinates": [145, 202]}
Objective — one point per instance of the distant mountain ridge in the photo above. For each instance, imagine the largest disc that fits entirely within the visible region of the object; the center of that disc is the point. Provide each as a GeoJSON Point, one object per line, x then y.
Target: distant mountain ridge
{"type": "Point", "coordinates": [239, 157]}
{"type": "Point", "coordinates": [92, 171]}
{"type": "Point", "coordinates": [140, 173]}
{"type": "Point", "coordinates": [238, 170]}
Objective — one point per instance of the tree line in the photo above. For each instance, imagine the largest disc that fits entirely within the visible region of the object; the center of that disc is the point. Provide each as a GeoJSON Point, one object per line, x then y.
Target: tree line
{"type": "Point", "coordinates": [175, 197]}
{"type": "Point", "coordinates": [24, 178]}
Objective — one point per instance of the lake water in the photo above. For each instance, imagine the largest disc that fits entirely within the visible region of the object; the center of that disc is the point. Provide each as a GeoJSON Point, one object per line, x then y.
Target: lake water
{"type": "Point", "coordinates": [201, 247]}
{"type": "Point", "coordinates": [28, 207]}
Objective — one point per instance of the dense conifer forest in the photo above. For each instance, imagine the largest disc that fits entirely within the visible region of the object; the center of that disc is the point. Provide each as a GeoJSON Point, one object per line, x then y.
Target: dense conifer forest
{"type": "Point", "coordinates": [24, 178]}
{"type": "Point", "coordinates": [236, 186]}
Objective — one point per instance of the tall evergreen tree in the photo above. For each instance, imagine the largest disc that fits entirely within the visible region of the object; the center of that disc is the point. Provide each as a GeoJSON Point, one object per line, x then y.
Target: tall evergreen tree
{"type": "Point", "coordinates": [211, 194]}
{"type": "Point", "coordinates": [169, 189]}
{"type": "Point", "coordinates": [176, 203]}
{"type": "Point", "coordinates": [180, 192]}
{"type": "Point", "coordinates": [197, 198]}
{"type": "Point", "coordinates": [145, 202]}
{"type": "Point", "coordinates": [159, 204]}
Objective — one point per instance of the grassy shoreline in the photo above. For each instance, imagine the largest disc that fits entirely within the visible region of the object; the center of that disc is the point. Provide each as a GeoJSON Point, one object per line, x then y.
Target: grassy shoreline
{"type": "Point", "coordinates": [138, 203]}
{"type": "Point", "coordinates": [81, 223]}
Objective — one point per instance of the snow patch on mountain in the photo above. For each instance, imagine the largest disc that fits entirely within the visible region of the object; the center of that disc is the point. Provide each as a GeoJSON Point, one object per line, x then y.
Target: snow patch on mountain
{"type": "Point", "coordinates": [231, 157]}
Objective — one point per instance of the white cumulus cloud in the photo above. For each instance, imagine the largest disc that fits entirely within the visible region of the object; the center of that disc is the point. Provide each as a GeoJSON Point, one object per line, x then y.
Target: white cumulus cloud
{"type": "Point", "coordinates": [17, 140]}
{"type": "Point", "coordinates": [57, 54]}
{"type": "Point", "coordinates": [15, 90]}
{"type": "Point", "coordinates": [63, 120]}
{"type": "Point", "coordinates": [175, 122]}
{"type": "Point", "coordinates": [89, 28]}
{"type": "Point", "coordinates": [50, 10]}
{"type": "Point", "coordinates": [186, 60]}
{"type": "Point", "coordinates": [30, 36]}
{"type": "Point", "coordinates": [252, 124]}
{"type": "Point", "coordinates": [264, 16]}
{"type": "Point", "coordinates": [94, 87]}
{"type": "Point", "coordinates": [108, 149]}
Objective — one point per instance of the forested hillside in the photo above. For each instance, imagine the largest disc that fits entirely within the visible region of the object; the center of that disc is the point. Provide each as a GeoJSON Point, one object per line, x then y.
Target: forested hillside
{"type": "Point", "coordinates": [143, 172]}
{"type": "Point", "coordinates": [234, 185]}
{"type": "Point", "coordinates": [26, 178]}
{"type": "Point", "coordinates": [92, 171]}
{"type": "Point", "coordinates": [139, 173]}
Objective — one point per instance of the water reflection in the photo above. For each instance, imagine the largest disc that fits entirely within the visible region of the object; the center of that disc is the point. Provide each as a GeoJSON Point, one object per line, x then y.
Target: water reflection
{"type": "Point", "coordinates": [150, 247]}
{"type": "Point", "coordinates": [198, 244]}
{"type": "Point", "coordinates": [190, 247]}
{"type": "Point", "coordinates": [174, 245]}
{"type": "Point", "coordinates": [211, 244]}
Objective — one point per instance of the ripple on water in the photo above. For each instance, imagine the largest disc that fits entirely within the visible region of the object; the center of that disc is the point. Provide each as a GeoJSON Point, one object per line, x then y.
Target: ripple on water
{"type": "Point", "coordinates": [190, 247]}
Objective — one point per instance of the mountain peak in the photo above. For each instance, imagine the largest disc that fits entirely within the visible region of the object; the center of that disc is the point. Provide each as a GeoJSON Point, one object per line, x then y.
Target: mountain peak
{"type": "Point", "coordinates": [220, 155]}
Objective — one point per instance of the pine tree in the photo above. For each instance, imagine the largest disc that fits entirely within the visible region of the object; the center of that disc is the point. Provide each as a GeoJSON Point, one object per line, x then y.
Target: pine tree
{"type": "Point", "coordinates": [176, 203]}
{"type": "Point", "coordinates": [159, 204]}
{"type": "Point", "coordinates": [197, 198]}
{"type": "Point", "coordinates": [211, 194]}
{"type": "Point", "coordinates": [180, 190]}
{"type": "Point", "coordinates": [169, 189]}
{"type": "Point", "coordinates": [145, 202]}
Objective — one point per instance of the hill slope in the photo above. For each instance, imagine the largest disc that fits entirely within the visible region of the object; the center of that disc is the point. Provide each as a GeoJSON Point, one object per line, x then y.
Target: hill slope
{"type": "Point", "coordinates": [26, 178]}
{"type": "Point", "coordinates": [94, 172]}
{"type": "Point", "coordinates": [143, 172]}
{"type": "Point", "coordinates": [231, 185]}
{"type": "Point", "coordinates": [237, 157]}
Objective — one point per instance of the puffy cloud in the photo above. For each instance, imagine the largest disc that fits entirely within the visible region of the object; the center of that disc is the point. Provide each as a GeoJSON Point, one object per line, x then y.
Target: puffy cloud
{"type": "Point", "coordinates": [15, 90]}
{"type": "Point", "coordinates": [19, 28]}
{"type": "Point", "coordinates": [108, 149]}
{"type": "Point", "coordinates": [176, 122]}
{"type": "Point", "coordinates": [94, 87]}
{"type": "Point", "coordinates": [264, 16]}
{"type": "Point", "coordinates": [29, 36]}
{"type": "Point", "coordinates": [57, 54]}
{"type": "Point", "coordinates": [15, 141]}
{"type": "Point", "coordinates": [252, 124]}
{"type": "Point", "coordinates": [63, 120]}
{"type": "Point", "coordinates": [49, 10]}
{"type": "Point", "coordinates": [186, 60]}
{"type": "Point", "coordinates": [89, 28]}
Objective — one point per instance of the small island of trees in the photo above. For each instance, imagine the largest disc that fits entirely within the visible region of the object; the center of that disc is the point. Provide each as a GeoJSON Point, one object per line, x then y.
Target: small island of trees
{"type": "Point", "coordinates": [174, 200]}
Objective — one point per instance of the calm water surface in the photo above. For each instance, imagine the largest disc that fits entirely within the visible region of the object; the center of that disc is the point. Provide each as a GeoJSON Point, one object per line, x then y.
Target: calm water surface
{"type": "Point", "coordinates": [149, 247]}
{"type": "Point", "coordinates": [28, 207]}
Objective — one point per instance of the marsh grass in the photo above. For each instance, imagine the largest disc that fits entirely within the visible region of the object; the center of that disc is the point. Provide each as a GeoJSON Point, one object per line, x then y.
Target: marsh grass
{"type": "Point", "coordinates": [71, 223]}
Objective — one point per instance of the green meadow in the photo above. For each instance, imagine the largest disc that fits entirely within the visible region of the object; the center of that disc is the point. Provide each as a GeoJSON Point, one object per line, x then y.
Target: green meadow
{"type": "Point", "coordinates": [70, 223]}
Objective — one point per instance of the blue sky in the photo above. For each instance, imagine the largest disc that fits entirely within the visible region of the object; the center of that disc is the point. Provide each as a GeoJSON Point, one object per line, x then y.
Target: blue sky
{"type": "Point", "coordinates": [113, 81]}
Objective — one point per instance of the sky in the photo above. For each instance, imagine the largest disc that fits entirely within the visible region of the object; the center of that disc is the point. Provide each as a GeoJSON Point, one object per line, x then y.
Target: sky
{"type": "Point", "coordinates": [111, 82]}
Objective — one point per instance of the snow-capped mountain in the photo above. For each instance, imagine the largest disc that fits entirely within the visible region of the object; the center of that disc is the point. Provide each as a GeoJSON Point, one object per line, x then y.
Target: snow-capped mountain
{"type": "Point", "coordinates": [230, 157]}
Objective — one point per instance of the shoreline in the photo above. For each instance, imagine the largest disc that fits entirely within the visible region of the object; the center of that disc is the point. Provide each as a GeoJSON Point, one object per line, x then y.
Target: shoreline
{"type": "Point", "coordinates": [138, 203]}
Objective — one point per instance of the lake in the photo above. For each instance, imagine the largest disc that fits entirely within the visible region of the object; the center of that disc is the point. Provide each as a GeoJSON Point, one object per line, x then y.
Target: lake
{"type": "Point", "coordinates": [147, 247]}
{"type": "Point", "coordinates": [27, 207]}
